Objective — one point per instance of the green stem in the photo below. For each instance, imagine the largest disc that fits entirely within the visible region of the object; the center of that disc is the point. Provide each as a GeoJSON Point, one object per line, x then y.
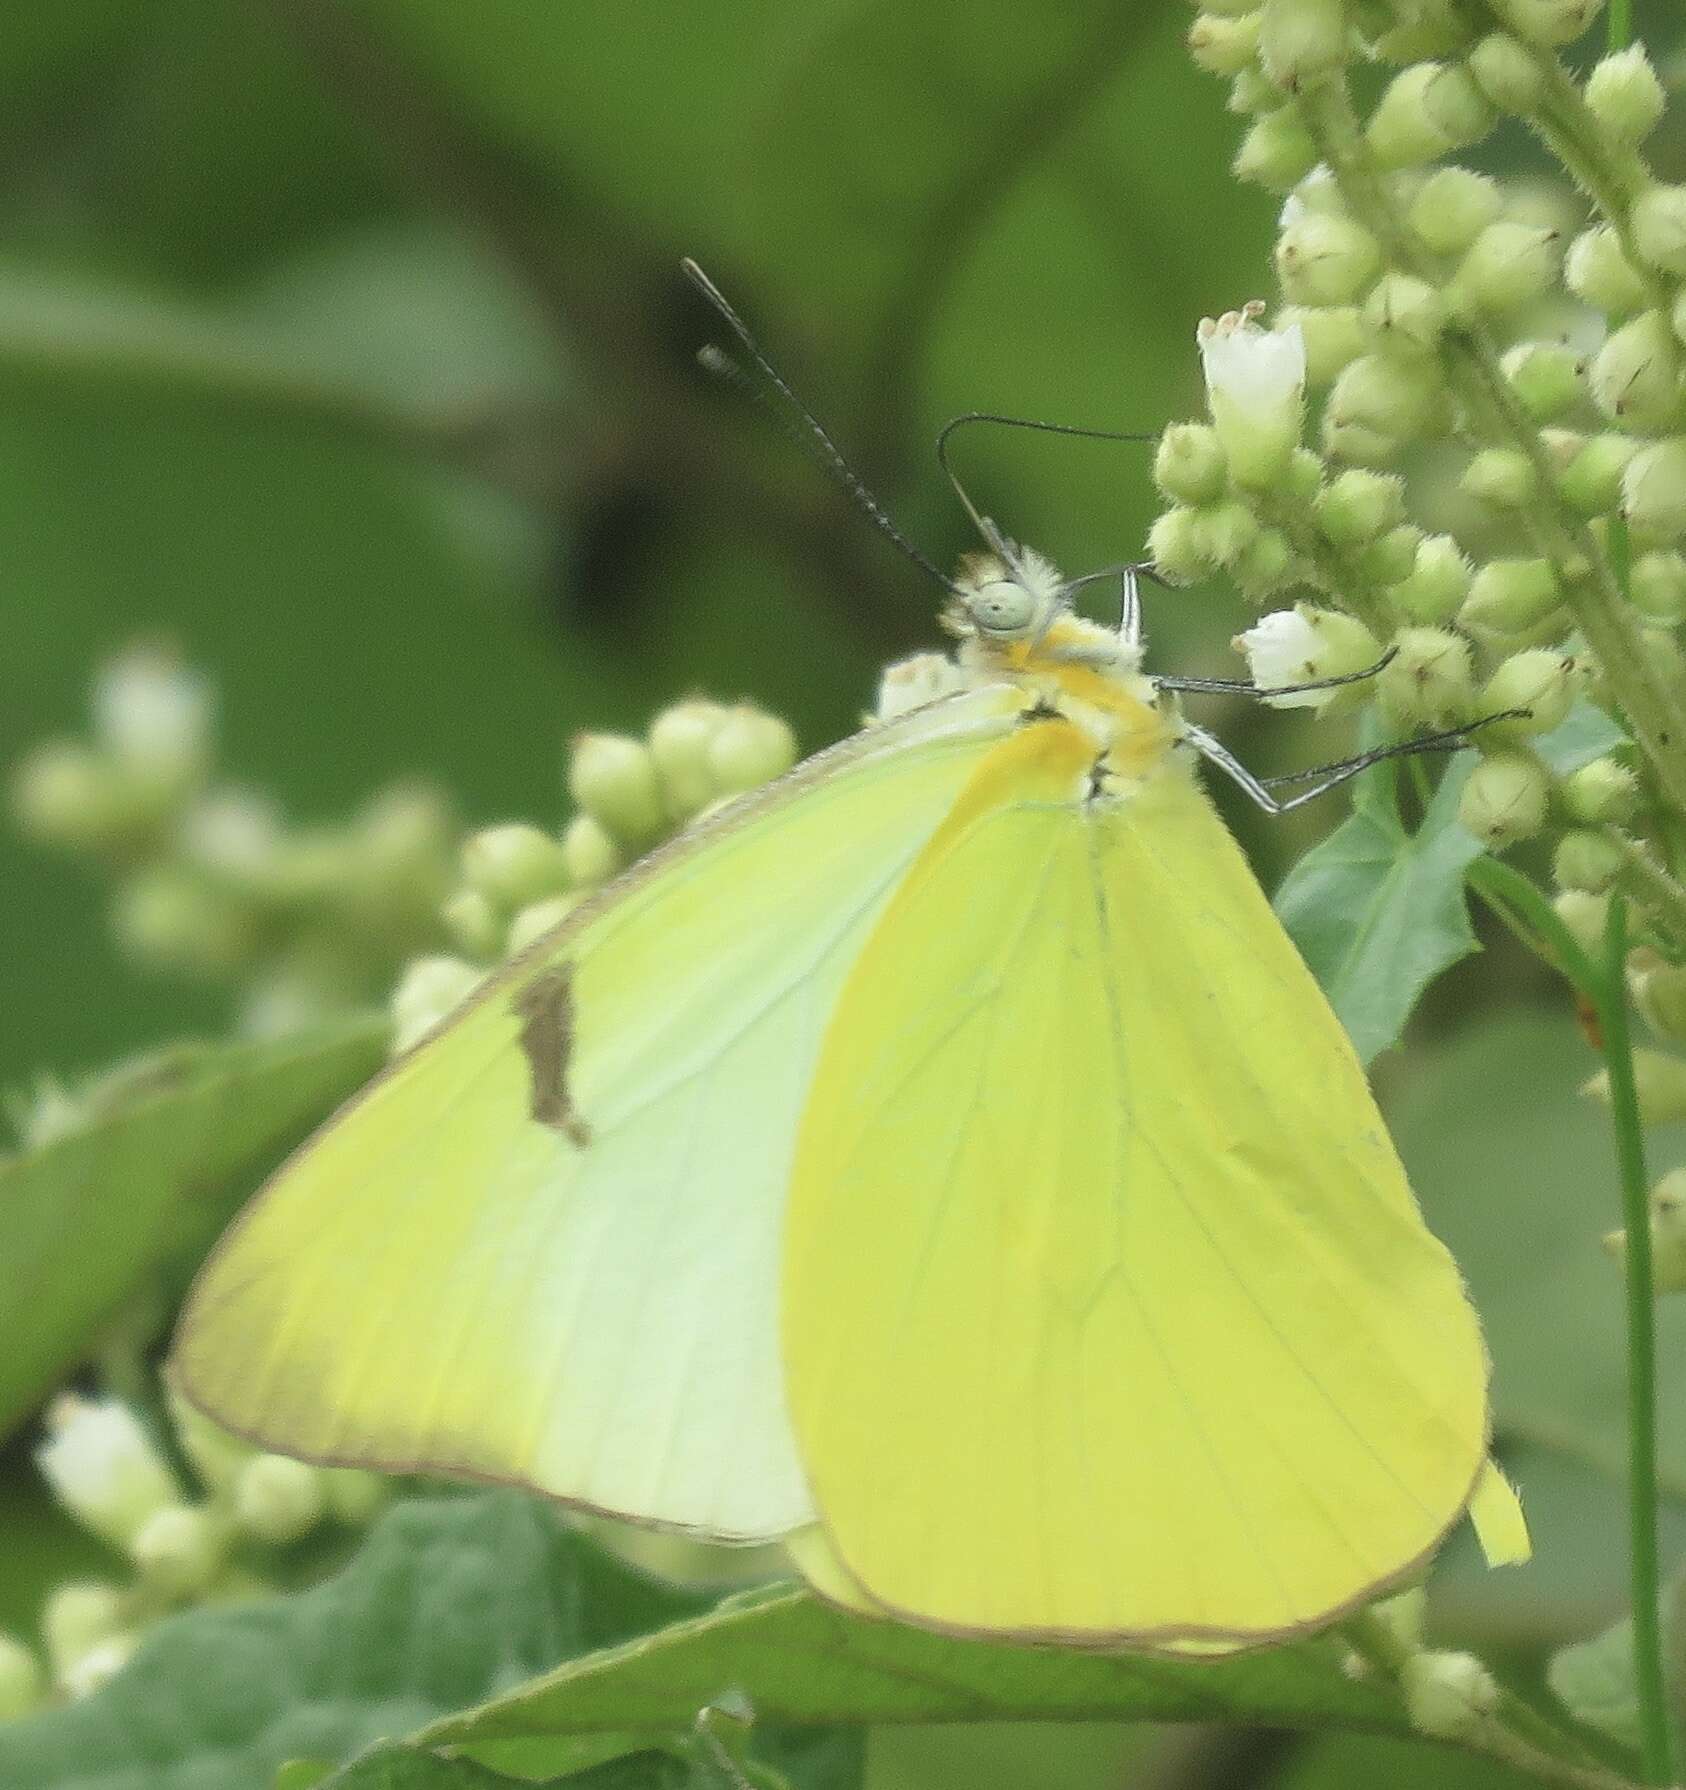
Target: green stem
{"type": "Point", "coordinates": [1609, 996]}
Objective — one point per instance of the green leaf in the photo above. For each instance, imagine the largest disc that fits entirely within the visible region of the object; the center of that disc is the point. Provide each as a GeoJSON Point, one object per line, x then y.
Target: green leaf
{"type": "Point", "coordinates": [1379, 912]}
{"type": "Point", "coordinates": [1595, 1679]}
{"type": "Point", "coordinates": [449, 1601]}
{"type": "Point", "coordinates": [175, 1141]}
{"type": "Point", "coordinates": [800, 1662]}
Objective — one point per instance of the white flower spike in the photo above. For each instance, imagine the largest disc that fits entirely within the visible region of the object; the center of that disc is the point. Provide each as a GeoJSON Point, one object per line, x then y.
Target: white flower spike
{"type": "Point", "coordinates": [1255, 387]}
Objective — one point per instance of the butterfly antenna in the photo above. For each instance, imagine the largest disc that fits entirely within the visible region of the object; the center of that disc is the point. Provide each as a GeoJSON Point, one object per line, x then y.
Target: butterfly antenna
{"type": "Point", "coordinates": [812, 433]}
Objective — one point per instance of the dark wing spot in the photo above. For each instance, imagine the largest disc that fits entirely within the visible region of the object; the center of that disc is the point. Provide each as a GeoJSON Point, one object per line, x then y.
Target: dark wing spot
{"type": "Point", "coordinates": [546, 1010]}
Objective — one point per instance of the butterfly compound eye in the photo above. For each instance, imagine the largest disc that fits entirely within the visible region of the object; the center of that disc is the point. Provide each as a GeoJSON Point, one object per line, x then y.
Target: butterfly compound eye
{"type": "Point", "coordinates": [1003, 606]}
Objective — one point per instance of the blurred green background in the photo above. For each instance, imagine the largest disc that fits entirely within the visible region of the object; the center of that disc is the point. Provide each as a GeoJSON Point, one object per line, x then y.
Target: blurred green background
{"type": "Point", "coordinates": [342, 344]}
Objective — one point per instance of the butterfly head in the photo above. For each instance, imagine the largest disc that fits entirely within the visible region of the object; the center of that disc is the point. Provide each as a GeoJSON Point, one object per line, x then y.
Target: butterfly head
{"type": "Point", "coordinates": [1005, 597]}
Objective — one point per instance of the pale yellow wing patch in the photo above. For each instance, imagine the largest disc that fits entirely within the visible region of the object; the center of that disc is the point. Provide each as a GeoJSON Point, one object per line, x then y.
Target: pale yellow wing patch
{"type": "Point", "coordinates": [1108, 1312]}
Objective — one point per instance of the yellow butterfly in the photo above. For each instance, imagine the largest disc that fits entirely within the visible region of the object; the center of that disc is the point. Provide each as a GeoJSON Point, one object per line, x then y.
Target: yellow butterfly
{"type": "Point", "coordinates": [940, 1160]}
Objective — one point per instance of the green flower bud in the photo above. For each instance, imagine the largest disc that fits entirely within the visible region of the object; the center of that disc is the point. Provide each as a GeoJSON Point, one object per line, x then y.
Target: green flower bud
{"type": "Point", "coordinates": [169, 919]}
{"type": "Point", "coordinates": [680, 737]}
{"type": "Point", "coordinates": [1454, 206]}
{"type": "Point", "coordinates": [1599, 274]}
{"type": "Point", "coordinates": [154, 718]}
{"type": "Point", "coordinates": [1505, 798]}
{"type": "Point", "coordinates": [1658, 989]}
{"type": "Point", "coordinates": [1625, 96]}
{"type": "Point", "coordinates": [1584, 916]}
{"type": "Point", "coordinates": [216, 1454]}
{"type": "Point", "coordinates": [1509, 596]}
{"type": "Point", "coordinates": [1448, 1696]}
{"type": "Point", "coordinates": [22, 1683]}
{"type": "Point", "coordinates": [66, 795]}
{"type": "Point", "coordinates": [1266, 565]}
{"type": "Point", "coordinates": [179, 1549]}
{"type": "Point", "coordinates": [1548, 378]}
{"type": "Point", "coordinates": [1333, 335]}
{"type": "Point", "coordinates": [1224, 46]}
{"type": "Point", "coordinates": [1536, 680]}
{"type": "Point", "coordinates": [1549, 23]}
{"type": "Point", "coordinates": [514, 864]}
{"type": "Point", "coordinates": [1429, 34]}
{"type": "Point", "coordinates": [1403, 315]}
{"type": "Point", "coordinates": [1428, 111]}
{"type": "Point", "coordinates": [1357, 506]}
{"type": "Point", "coordinates": [1657, 585]}
{"type": "Point", "coordinates": [1302, 644]}
{"type": "Point", "coordinates": [1636, 374]}
{"type": "Point", "coordinates": [613, 778]}
{"type": "Point", "coordinates": [1325, 260]}
{"type": "Point", "coordinates": [1403, 1616]}
{"type": "Point", "coordinates": [1586, 858]}
{"type": "Point", "coordinates": [1677, 316]}
{"type": "Point", "coordinates": [1654, 489]}
{"type": "Point", "coordinates": [1592, 481]}
{"type": "Point", "coordinates": [1305, 476]}
{"type": "Point", "coordinates": [1226, 530]}
{"type": "Point", "coordinates": [1603, 793]}
{"type": "Point", "coordinates": [98, 1666]}
{"type": "Point", "coordinates": [355, 1497]}
{"type": "Point", "coordinates": [1178, 546]}
{"type": "Point", "coordinates": [1188, 465]}
{"type": "Point", "coordinates": [428, 990]}
{"type": "Point", "coordinates": [1301, 38]}
{"type": "Point", "coordinates": [103, 1466]}
{"type": "Point", "coordinates": [1659, 1079]}
{"type": "Point", "coordinates": [1500, 477]}
{"type": "Point", "coordinates": [277, 1499]}
{"type": "Point", "coordinates": [77, 1617]}
{"type": "Point", "coordinates": [1438, 582]}
{"type": "Point", "coordinates": [591, 852]}
{"type": "Point", "coordinates": [1667, 1225]}
{"type": "Point", "coordinates": [1659, 227]}
{"type": "Point", "coordinates": [751, 748]}
{"type": "Point", "coordinates": [1229, 9]}
{"type": "Point", "coordinates": [1276, 151]}
{"type": "Point", "coordinates": [1252, 92]}
{"type": "Point", "coordinates": [1377, 398]}
{"type": "Point", "coordinates": [1430, 680]}
{"type": "Point", "coordinates": [1391, 559]}
{"type": "Point", "coordinates": [404, 841]}
{"type": "Point", "coordinates": [475, 925]}
{"type": "Point", "coordinates": [1507, 73]}
{"type": "Point", "coordinates": [533, 922]}
{"type": "Point", "coordinates": [1508, 266]}
{"type": "Point", "coordinates": [1319, 191]}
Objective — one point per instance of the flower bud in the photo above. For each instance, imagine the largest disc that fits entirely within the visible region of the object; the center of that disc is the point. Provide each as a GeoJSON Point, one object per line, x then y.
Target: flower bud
{"type": "Point", "coordinates": [1659, 227]}
{"type": "Point", "coordinates": [1229, 9]}
{"type": "Point", "coordinates": [1603, 793]}
{"type": "Point", "coordinates": [613, 778]}
{"type": "Point", "coordinates": [1599, 274]}
{"type": "Point", "coordinates": [22, 1683]}
{"type": "Point", "coordinates": [1509, 596]}
{"type": "Point", "coordinates": [533, 922]}
{"type": "Point", "coordinates": [1548, 378]}
{"type": "Point", "coordinates": [168, 919]}
{"type": "Point", "coordinates": [1376, 399]}
{"type": "Point", "coordinates": [1265, 565]}
{"type": "Point", "coordinates": [1584, 916]}
{"type": "Point", "coordinates": [1636, 374]}
{"type": "Point", "coordinates": [1253, 92]}
{"type": "Point", "coordinates": [1390, 560]}
{"type": "Point", "coordinates": [1333, 335]}
{"type": "Point", "coordinates": [1592, 482]}
{"type": "Point", "coordinates": [1454, 206]}
{"type": "Point", "coordinates": [1509, 265]}
{"type": "Point", "coordinates": [1657, 585]}
{"type": "Point", "coordinates": [1625, 96]}
{"type": "Point", "coordinates": [1502, 478]}
{"type": "Point", "coordinates": [1276, 152]}
{"type": "Point", "coordinates": [63, 794]}
{"type": "Point", "coordinates": [1654, 489]}
{"type": "Point", "coordinates": [680, 737]}
{"type": "Point", "coordinates": [1659, 1079]}
{"type": "Point", "coordinates": [76, 1617]}
{"type": "Point", "coordinates": [1429, 681]}
{"type": "Point", "coordinates": [1403, 315]}
{"type": "Point", "coordinates": [1507, 73]}
{"type": "Point", "coordinates": [514, 864]}
{"type": "Point", "coordinates": [1225, 530]}
{"type": "Point", "coordinates": [1301, 645]}
{"type": "Point", "coordinates": [1428, 111]}
{"type": "Point", "coordinates": [475, 925]}
{"type": "Point", "coordinates": [1188, 464]}
{"type": "Point", "coordinates": [1403, 1616]}
{"type": "Point", "coordinates": [1224, 46]}
{"type": "Point", "coordinates": [1319, 191]}
{"type": "Point", "coordinates": [277, 1499]}
{"type": "Point", "coordinates": [1301, 38]}
{"type": "Point", "coordinates": [1536, 680]}
{"type": "Point", "coordinates": [1504, 799]}
{"type": "Point", "coordinates": [178, 1549]}
{"type": "Point", "coordinates": [1658, 989]}
{"type": "Point", "coordinates": [1255, 386]}
{"type": "Point", "coordinates": [103, 1466]}
{"type": "Point", "coordinates": [1586, 858]}
{"type": "Point", "coordinates": [428, 990]}
{"type": "Point", "coordinates": [1178, 546]}
{"type": "Point", "coordinates": [154, 717]}
{"type": "Point", "coordinates": [1448, 1696]}
{"type": "Point", "coordinates": [1438, 582]}
{"type": "Point", "coordinates": [404, 839]}
{"type": "Point", "coordinates": [1304, 478]}
{"type": "Point", "coordinates": [590, 852]}
{"type": "Point", "coordinates": [1550, 23]}
{"type": "Point", "coordinates": [354, 1496]}
{"type": "Point", "coordinates": [751, 748]}
{"type": "Point", "coordinates": [1357, 506]}
{"type": "Point", "coordinates": [215, 1453]}
{"type": "Point", "coordinates": [1667, 1224]}
{"type": "Point", "coordinates": [1325, 260]}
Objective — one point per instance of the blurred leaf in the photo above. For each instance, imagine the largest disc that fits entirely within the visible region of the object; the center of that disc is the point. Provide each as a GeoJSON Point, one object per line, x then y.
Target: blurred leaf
{"type": "Point", "coordinates": [448, 1601]}
{"type": "Point", "coordinates": [1584, 734]}
{"type": "Point", "coordinates": [1378, 912]}
{"type": "Point", "coordinates": [1347, 1761]}
{"type": "Point", "coordinates": [1596, 1678]}
{"type": "Point", "coordinates": [800, 1662]}
{"type": "Point", "coordinates": [172, 1145]}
